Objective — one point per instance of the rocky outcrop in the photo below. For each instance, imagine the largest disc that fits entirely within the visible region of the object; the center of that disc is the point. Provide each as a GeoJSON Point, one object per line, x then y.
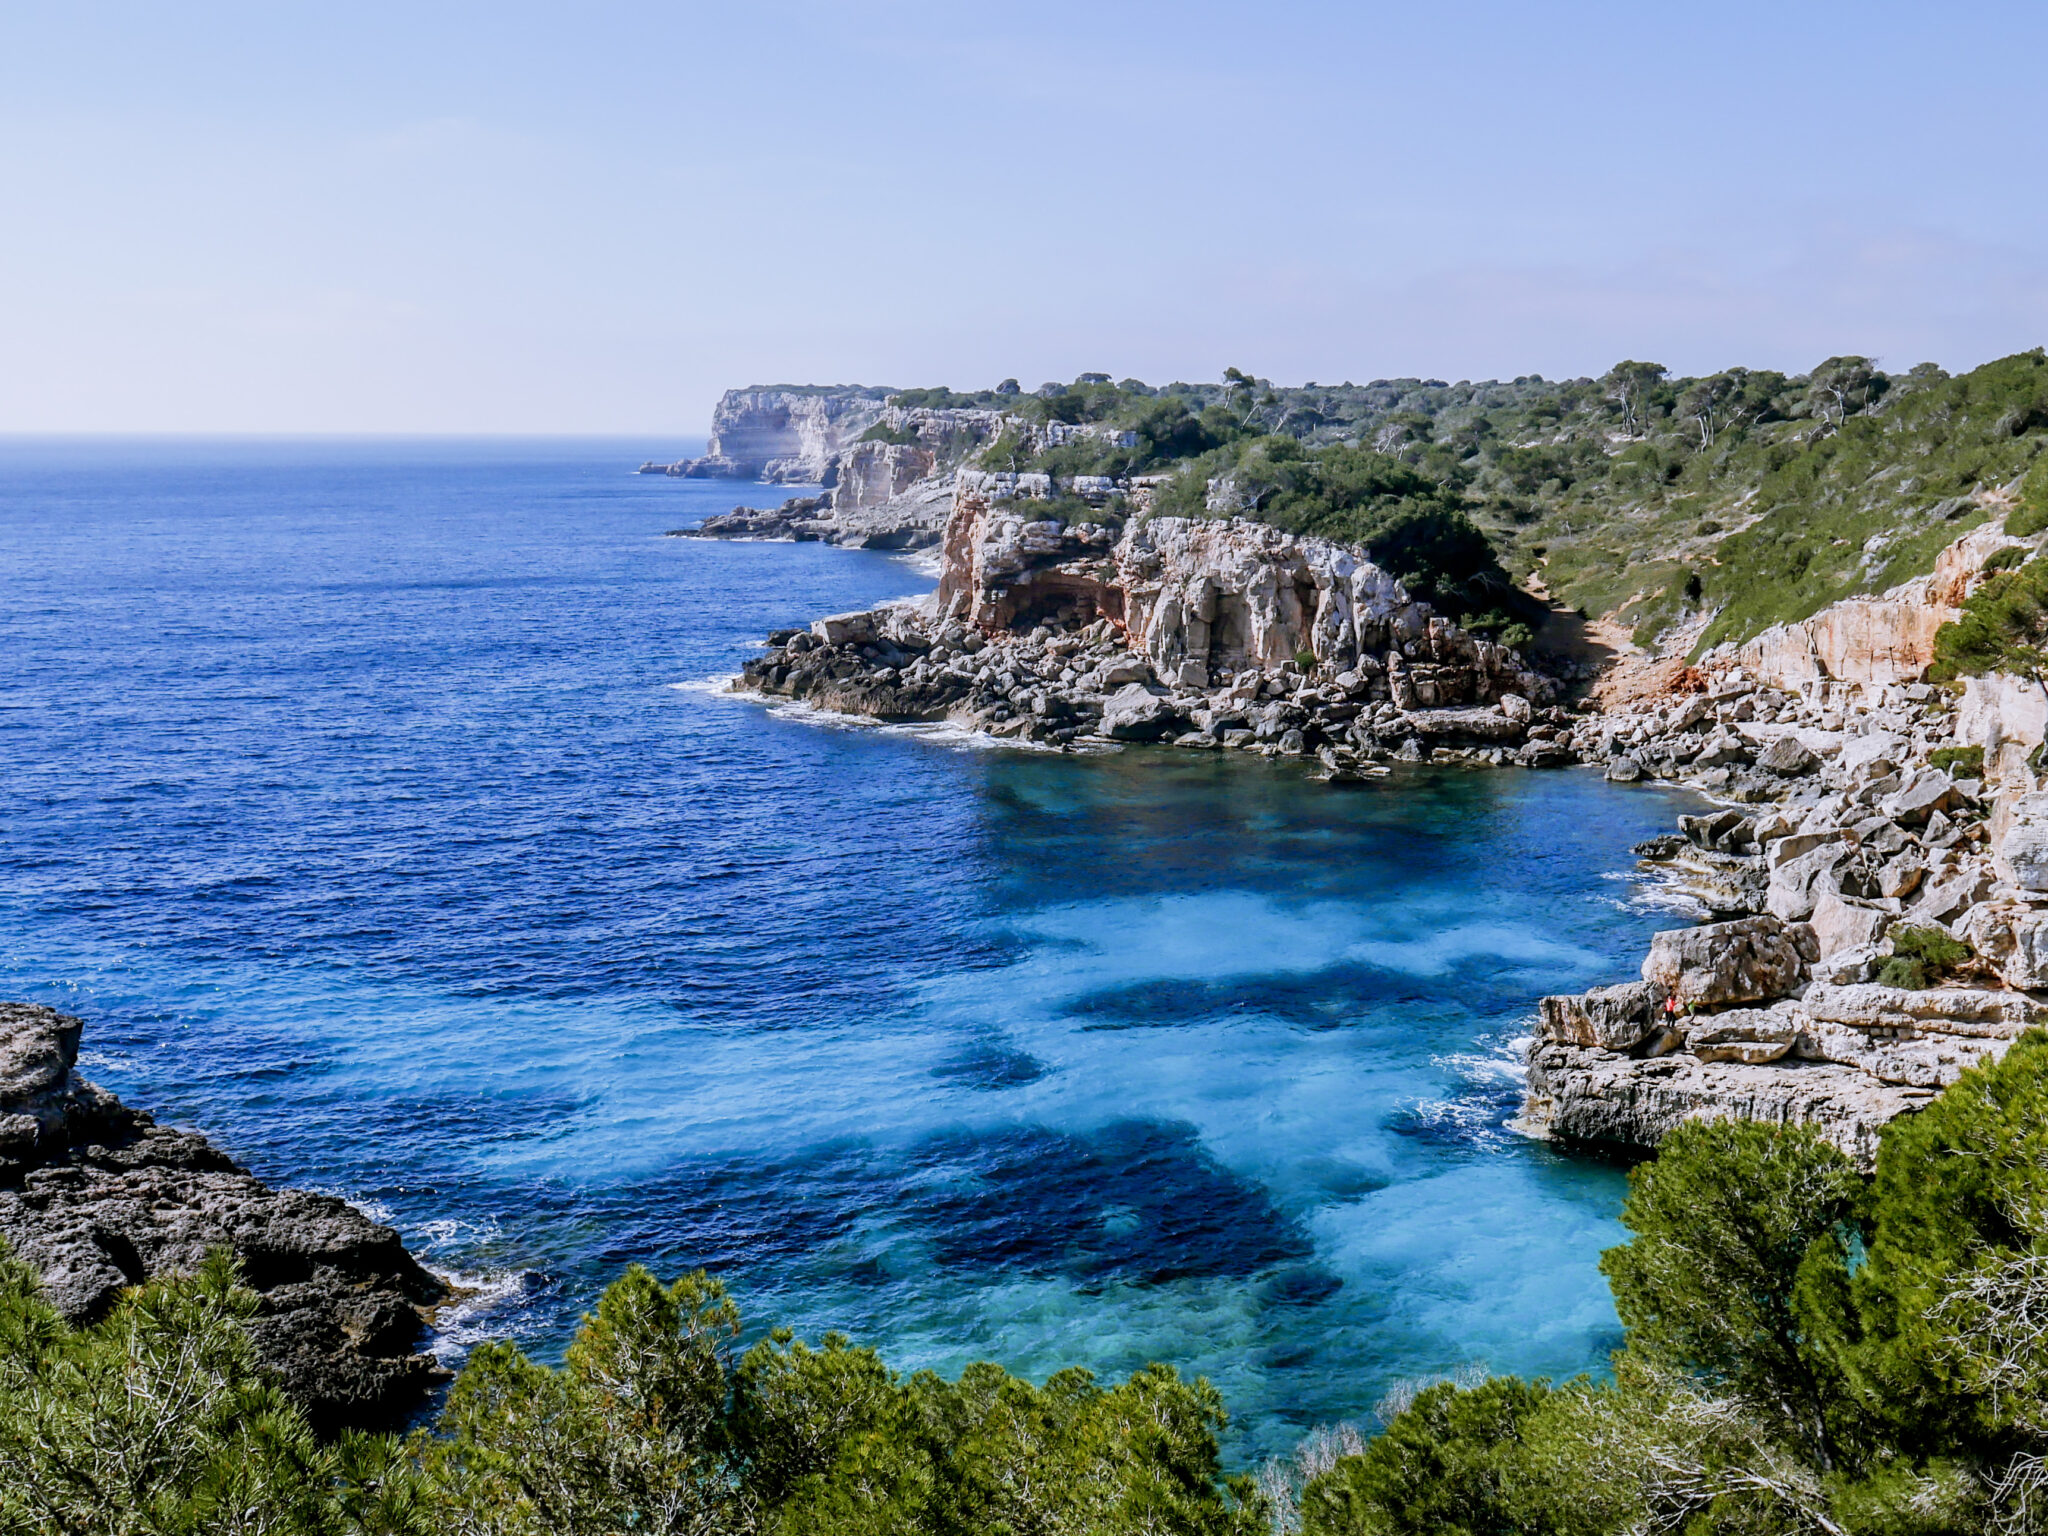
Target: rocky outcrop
{"type": "Point", "coordinates": [1212, 597]}
{"type": "Point", "coordinates": [1847, 1058]}
{"type": "Point", "coordinates": [1206, 632]}
{"type": "Point", "coordinates": [1843, 834]}
{"type": "Point", "coordinates": [1600, 1098]}
{"type": "Point", "coordinates": [890, 490]}
{"type": "Point", "coordinates": [2006, 718]}
{"type": "Point", "coordinates": [1879, 641]}
{"type": "Point", "coordinates": [97, 1197]}
{"type": "Point", "coordinates": [782, 435]}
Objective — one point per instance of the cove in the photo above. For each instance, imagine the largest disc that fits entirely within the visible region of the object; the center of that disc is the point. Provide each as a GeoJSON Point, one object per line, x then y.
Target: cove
{"type": "Point", "coordinates": [376, 804]}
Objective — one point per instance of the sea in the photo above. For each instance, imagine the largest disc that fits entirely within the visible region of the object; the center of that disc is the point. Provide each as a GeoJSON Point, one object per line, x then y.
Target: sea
{"type": "Point", "coordinates": [384, 808]}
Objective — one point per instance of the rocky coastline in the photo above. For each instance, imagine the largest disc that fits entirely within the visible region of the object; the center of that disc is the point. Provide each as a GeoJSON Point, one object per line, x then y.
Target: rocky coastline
{"type": "Point", "coordinates": [1863, 806]}
{"type": "Point", "coordinates": [97, 1197]}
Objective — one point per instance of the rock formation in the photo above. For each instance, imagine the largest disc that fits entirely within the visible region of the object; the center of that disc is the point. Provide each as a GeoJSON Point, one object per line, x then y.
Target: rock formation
{"type": "Point", "coordinates": [98, 1197]}
{"type": "Point", "coordinates": [783, 435]}
{"type": "Point", "coordinates": [892, 491]}
{"type": "Point", "coordinates": [1879, 640]}
{"type": "Point", "coordinates": [1845, 835]}
{"type": "Point", "coordinates": [1210, 632]}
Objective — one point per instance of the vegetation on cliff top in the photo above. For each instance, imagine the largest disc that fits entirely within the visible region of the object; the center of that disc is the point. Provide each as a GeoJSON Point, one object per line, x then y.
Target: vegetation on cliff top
{"type": "Point", "coordinates": [1806, 1350]}
{"type": "Point", "coordinates": [1750, 496]}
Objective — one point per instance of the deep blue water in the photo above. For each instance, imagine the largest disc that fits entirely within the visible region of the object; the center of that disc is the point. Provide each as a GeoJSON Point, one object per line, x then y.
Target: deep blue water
{"type": "Point", "coordinates": [371, 802]}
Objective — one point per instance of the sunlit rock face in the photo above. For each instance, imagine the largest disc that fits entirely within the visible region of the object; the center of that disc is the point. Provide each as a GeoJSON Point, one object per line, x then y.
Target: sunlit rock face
{"type": "Point", "coordinates": [1216, 595]}
{"type": "Point", "coordinates": [782, 436]}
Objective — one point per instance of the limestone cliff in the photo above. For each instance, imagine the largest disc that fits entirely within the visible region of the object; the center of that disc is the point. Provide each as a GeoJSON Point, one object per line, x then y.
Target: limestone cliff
{"type": "Point", "coordinates": [1206, 598]}
{"type": "Point", "coordinates": [1873, 640]}
{"type": "Point", "coordinates": [891, 491]}
{"type": "Point", "coordinates": [783, 436]}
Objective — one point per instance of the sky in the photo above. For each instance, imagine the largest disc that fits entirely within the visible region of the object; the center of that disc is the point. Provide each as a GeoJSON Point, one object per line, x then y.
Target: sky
{"type": "Point", "coordinates": [511, 218]}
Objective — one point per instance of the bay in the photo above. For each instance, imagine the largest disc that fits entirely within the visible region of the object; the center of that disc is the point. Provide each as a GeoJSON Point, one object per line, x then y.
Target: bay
{"type": "Point", "coordinates": [378, 804]}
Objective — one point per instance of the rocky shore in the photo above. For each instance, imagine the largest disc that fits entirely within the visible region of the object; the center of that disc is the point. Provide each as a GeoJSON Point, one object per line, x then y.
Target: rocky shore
{"type": "Point", "coordinates": [98, 1197]}
{"type": "Point", "coordinates": [1867, 813]}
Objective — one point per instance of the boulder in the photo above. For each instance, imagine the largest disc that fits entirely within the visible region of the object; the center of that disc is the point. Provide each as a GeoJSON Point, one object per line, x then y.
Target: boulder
{"type": "Point", "coordinates": [1119, 671]}
{"type": "Point", "coordinates": [1900, 876]}
{"type": "Point", "coordinates": [1840, 922]}
{"type": "Point", "coordinates": [1845, 967]}
{"type": "Point", "coordinates": [1712, 831]}
{"type": "Point", "coordinates": [1791, 845]}
{"type": "Point", "coordinates": [1624, 770]}
{"type": "Point", "coordinates": [1750, 1035]}
{"type": "Point", "coordinates": [1872, 749]}
{"type": "Point", "coordinates": [1133, 713]}
{"type": "Point", "coordinates": [1722, 750]}
{"type": "Point", "coordinates": [2023, 843]}
{"type": "Point", "coordinates": [1787, 757]}
{"type": "Point", "coordinates": [2014, 938]}
{"type": "Point", "coordinates": [1797, 883]}
{"type": "Point", "coordinates": [1748, 960]}
{"type": "Point", "coordinates": [1949, 895]}
{"type": "Point", "coordinates": [1608, 1018]}
{"type": "Point", "coordinates": [1929, 791]}
{"type": "Point", "coordinates": [1685, 716]}
{"type": "Point", "coordinates": [846, 628]}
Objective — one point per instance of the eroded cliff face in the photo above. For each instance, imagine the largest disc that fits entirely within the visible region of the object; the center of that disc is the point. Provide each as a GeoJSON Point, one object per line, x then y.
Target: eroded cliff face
{"type": "Point", "coordinates": [893, 492]}
{"type": "Point", "coordinates": [899, 494]}
{"type": "Point", "coordinates": [1872, 640]}
{"type": "Point", "coordinates": [1207, 598]}
{"type": "Point", "coordinates": [782, 436]}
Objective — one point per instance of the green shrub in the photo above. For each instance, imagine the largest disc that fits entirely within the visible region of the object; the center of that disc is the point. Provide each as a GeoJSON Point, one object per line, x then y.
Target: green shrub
{"type": "Point", "coordinates": [158, 1420]}
{"type": "Point", "coordinates": [651, 1424]}
{"type": "Point", "coordinates": [2003, 628]}
{"type": "Point", "coordinates": [1445, 1467]}
{"type": "Point", "coordinates": [2030, 516]}
{"type": "Point", "coordinates": [1958, 762]}
{"type": "Point", "coordinates": [1920, 957]}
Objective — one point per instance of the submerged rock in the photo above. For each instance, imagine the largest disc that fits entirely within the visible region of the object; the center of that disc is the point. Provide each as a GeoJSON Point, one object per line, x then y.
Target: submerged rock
{"type": "Point", "coordinates": [98, 1197]}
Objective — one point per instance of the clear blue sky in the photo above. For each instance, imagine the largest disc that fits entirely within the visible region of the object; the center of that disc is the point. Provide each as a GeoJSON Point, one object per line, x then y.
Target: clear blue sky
{"type": "Point", "coordinates": [592, 218]}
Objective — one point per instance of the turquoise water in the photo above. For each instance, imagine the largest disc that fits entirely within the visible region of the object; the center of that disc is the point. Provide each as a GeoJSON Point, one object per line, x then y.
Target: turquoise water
{"type": "Point", "coordinates": [376, 804]}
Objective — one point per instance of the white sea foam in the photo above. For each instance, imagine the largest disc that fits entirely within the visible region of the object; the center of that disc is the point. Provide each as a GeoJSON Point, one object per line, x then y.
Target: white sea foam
{"type": "Point", "coordinates": [938, 733]}
{"type": "Point", "coordinates": [479, 1313]}
{"type": "Point", "coordinates": [718, 686]}
{"type": "Point", "coordinates": [376, 1210]}
{"type": "Point", "coordinates": [1657, 891]}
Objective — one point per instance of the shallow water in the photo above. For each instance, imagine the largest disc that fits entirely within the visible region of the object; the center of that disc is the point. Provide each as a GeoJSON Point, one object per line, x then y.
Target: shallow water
{"type": "Point", "coordinates": [373, 803]}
